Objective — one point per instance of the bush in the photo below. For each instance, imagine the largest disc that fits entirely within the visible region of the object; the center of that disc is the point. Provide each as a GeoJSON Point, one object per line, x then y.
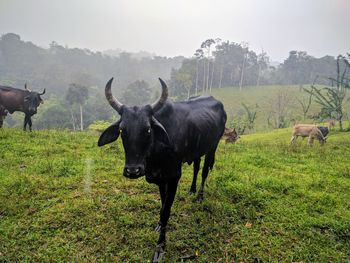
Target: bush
{"type": "Point", "coordinates": [99, 126]}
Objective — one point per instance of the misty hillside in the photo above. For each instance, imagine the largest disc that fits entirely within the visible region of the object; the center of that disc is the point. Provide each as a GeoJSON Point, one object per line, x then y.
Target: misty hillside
{"type": "Point", "coordinates": [58, 66]}
{"type": "Point", "coordinates": [137, 55]}
{"type": "Point", "coordinates": [216, 68]}
{"type": "Point", "coordinates": [215, 64]}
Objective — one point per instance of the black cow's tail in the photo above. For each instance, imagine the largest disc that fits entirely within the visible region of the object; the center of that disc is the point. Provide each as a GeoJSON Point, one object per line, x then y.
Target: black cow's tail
{"type": "Point", "coordinates": [224, 119]}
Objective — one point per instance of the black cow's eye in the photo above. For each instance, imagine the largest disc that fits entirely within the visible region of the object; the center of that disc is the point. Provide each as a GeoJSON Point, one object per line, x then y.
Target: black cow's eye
{"type": "Point", "coordinates": [148, 131]}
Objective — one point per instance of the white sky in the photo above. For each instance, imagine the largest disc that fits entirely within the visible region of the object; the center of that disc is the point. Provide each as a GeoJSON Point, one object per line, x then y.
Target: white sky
{"type": "Point", "coordinates": [177, 27]}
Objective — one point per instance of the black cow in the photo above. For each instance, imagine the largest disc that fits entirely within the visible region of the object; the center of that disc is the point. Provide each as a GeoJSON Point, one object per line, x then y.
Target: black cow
{"type": "Point", "coordinates": [3, 114]}
{"type": "Point", "coordinates": [158, 138]}
{"type": "Point", "coordinates": [324, 130]}
{"type": "Point", "coordinates": [26, 101]}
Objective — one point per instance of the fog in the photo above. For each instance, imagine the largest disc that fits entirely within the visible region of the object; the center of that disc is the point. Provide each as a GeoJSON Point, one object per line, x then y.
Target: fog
{"type": "Point", "coordinates": [171, 28]}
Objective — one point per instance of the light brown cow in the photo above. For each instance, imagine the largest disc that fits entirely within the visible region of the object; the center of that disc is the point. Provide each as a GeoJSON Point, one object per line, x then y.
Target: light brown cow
{"type": "Point", "coordinates": [230, 135]}
{"type": "Point", "coordinates": [331, 124]}
{"type": "Point", "coordinates": [307, 130]}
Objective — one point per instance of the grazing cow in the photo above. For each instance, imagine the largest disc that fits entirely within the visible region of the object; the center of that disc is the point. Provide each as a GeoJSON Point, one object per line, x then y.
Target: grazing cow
{"type": "Point", "coordinates": [3, 113]}
{"type": "Point", "coordinates": [324, 130]}
{"type": "Point", "coordinates": [158, 138]}
{"type": "Point", "coordinates": [331, 124]}
{"type": "Point", "coordinates": [230, 135]}
{"type": "Point", "coordinates": [26, 101]}
{"type": "Point", "coordinates": [307, 130]}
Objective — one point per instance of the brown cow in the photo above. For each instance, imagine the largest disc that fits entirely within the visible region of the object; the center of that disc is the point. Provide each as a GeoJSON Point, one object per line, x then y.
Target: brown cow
{"type": "Point", "coordinates": [26, 101]}
{"type": "Point", "coordinates": [307, 130]}
{"type": "Point", "coordinates": [3, 113]}
{"type": "Point", "coordinates": [230, 135]}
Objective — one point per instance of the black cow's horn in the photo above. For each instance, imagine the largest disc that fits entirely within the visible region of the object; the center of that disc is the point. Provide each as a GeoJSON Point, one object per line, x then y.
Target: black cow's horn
{"type": "Point", "coordinates": [26, 88]}
{"type": "Point", "coordinates": [160, 102]}
{"type": "Point", "coordinates": [111, 99]}
{"type": "Point", "coordinates": [42, 93]}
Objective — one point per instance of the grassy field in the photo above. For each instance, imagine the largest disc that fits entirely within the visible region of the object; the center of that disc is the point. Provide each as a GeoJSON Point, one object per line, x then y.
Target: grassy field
{"type": "Point", "coordinates": [64, 199]}
{"type": "Point", "coordinates": [266, 97]}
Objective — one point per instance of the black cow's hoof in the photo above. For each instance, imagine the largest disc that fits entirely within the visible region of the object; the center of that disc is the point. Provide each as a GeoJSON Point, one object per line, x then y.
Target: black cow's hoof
{"type": "Point", "coordinates": [158, 253]}
{"type": "Point", "coordinates": [192, 191]}
{"type": "Point", "coordinates": [158, 227]}
{"type": "Point", "coordinates": [200, 198]}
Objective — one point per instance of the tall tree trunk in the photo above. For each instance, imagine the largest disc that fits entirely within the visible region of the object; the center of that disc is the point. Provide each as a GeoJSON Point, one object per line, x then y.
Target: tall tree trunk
{"type": "Point", "coordinates": [242, 73]}
{"type": "Point", "coordinates": [196, 90]}
{"type": "Point", "coordinates": [258, 80]}
{"type": "Point", "coordinates": [81, 117]}
{"type": "Point", "coordinates": [204, 71]}
{"type": "Point", "coordinates": [340, 123]}
{"type": "Point", "coordinates": [232, 80]}
{"type": "Point", "coordinates": [220, 80]}
{"type": "Point", "coordinates": [212, 77]}
{"type": "Point", "coordinates": [208, 72]}
{"type": "Point", "coordinates": [73, 120]}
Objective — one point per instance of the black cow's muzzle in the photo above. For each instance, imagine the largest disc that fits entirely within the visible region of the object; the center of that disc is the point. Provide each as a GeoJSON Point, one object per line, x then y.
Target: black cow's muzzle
{"type": "Point", "coordinates": [134, 171]}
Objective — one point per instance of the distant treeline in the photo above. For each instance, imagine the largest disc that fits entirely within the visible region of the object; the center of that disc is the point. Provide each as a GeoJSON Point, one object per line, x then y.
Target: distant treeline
{"type": "Point", "coordinates": [56, 67]}
{"type": "Point", "coordinates": [215, 64]}
{"type": "Point", "coordinates": [74, 78]}
{"type": "Point", "coordinates": [219, 64]}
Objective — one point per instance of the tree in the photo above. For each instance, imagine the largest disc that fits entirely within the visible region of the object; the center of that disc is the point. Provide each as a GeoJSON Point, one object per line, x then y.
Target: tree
{"type": "Point", "coordinates": [198, 55]}
{"type": "Point", "coordinates": [306, 103]}
{"type": "Point", "coordinates": [182, 83]}
{"type": "Point", "coordinates": [245, 47]}
{"type": "Point", "coordinates": [54, 114]}
{"type": "Point", "coordinates": [280, 106]}
{"type": "Point", "coordinates": [217, 41]}
{"type": "Point", "coordinates": [137, 93]}
{"type": "Point", "coordinates": [331, 99]}
{"type": "Point", "coordinates": [301, 68]}
{"type": "Point", "coordinates": [77, 94]}
{"type": "Point", "coordinates": [263, 61]}
{"type": "Point", "coordinates": [206, 45]}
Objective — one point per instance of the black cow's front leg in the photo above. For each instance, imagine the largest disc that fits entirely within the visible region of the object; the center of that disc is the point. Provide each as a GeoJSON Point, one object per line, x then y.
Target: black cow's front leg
{"type": "Point", "coordinates": [25, 122]}
{"type": "Point", "coordinates": [171, 188]}
{"type": "Point", "coordinates": [30, 123]}
{"type": "Point", "coordinates": [162, 191]}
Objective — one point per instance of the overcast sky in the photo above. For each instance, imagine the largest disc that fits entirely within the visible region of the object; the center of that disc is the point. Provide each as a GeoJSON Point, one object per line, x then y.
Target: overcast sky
{"type": "Point", "coordinates": [177, 27]}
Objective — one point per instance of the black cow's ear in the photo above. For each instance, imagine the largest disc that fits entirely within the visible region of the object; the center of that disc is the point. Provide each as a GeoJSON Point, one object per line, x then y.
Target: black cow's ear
{"type": "Point", "coordinates": [111, 134]}
{"type": "Point", "coordinates": [160, 133]}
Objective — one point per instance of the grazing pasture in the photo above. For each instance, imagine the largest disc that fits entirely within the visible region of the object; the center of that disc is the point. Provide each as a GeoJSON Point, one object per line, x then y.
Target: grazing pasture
{"type": "Point", "coordinates": [64, 199]}
{"type": "Point", "coordinates": [269, 102]}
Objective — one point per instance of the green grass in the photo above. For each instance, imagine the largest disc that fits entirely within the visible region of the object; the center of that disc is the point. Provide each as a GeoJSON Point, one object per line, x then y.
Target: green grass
{"type": "Point", "coordinates": [265, 97]}
{"type": "Point", "coordinates": [64, 199]}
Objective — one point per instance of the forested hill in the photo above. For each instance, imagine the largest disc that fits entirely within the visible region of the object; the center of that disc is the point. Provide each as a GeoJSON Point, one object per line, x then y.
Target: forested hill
{"type": "Point", "coordinates": [215, 64]}
{"type": "Point", "coordinates": [218, 63]}
{"type": "Point", "coordinates": [56, 67]}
